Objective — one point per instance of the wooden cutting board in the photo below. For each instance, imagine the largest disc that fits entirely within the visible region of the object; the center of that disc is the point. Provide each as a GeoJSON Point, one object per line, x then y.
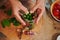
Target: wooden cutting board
{"type": "Point", "coordinates": [44, 30]}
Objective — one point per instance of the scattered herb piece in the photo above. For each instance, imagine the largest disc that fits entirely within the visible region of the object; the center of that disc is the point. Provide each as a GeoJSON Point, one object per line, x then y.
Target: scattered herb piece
{"type": "Point", "coordinates": [8, 12]}
{"type": "Point", "coordinates": [5, 22]}
{"type": "Point", "coordinates": [14, 21]}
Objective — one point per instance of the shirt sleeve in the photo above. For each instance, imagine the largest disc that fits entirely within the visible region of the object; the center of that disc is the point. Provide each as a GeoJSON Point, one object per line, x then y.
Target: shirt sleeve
{"type": "Point", "coordinates": [3, 2]}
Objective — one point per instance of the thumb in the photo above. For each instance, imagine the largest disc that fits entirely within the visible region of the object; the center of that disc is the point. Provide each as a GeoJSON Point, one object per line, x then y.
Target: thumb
{"type": "Point", "coordinates": [40, 15]}
{"type": "Point", "coordinates": [34, 8]}
{"type": "Point", "coordinates": [23, 8]}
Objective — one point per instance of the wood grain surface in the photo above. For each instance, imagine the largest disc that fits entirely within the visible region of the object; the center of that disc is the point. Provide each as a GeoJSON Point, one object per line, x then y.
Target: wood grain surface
{"type": "Point", "coordinates": [44, 30]}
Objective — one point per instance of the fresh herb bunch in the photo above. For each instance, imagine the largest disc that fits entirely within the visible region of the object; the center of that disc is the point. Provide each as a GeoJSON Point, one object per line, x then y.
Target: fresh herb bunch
{"type": "Point", "coordinates": [7, 22]}
{"type": "Point", "coordinates": [29, 18]}
{"type": "Point", "coordinates": [14, 21]}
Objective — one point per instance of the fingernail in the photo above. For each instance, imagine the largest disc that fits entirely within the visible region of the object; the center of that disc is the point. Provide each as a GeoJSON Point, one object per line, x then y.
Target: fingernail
{"type": "Point", "coordinates": [35, 21]}
{"type": "Point", "coordinates": [31, 11]}
{"type": "Point", "coordinates": [24, 23]}
{"type": "Point", "coordinates": [27, 12]}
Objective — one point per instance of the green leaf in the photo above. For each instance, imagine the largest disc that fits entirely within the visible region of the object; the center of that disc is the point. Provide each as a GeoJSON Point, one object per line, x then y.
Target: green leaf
{"type": "Point", "coordinates": [29, 17]}
{"type": "Point", "coordinates": [5, 22]}
{"type": "Point", "coordinates": [14, 21]}
{"type": "Point", "coordinates": [8, 12]}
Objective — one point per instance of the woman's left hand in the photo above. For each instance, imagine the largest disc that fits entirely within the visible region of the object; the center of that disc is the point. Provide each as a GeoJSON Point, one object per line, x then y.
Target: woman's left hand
{"type": "Point", "coordinates": [40, 4]}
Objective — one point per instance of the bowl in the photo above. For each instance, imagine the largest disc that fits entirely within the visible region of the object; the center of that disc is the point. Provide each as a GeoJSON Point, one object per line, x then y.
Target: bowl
{"type": "Point", "coordinates": [52, 12]}
{"type": "Point", "coordinates": [56, 36]}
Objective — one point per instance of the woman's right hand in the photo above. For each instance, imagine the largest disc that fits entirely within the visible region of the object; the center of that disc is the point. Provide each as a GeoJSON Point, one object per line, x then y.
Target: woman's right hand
{"type": "Point", "coordinates": [16, 6]}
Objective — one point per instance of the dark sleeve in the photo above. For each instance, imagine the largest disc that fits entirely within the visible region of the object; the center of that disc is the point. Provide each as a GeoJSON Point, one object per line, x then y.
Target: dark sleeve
{"type": "Point", "coordinates": [3, 2]}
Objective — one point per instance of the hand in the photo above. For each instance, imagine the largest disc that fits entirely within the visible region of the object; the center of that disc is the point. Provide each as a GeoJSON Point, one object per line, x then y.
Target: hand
{"type": "Point", "coordinates": [40, 4]}
{"type": "Point", "coordinates": [16, 6]}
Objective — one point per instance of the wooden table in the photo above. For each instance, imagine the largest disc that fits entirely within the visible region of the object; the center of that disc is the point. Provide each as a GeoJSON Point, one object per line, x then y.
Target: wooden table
{"type": "Point", "coordinates": [44, 30]}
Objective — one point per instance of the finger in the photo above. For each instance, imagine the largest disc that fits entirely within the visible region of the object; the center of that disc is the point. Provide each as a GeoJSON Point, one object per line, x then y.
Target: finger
{"type": "Point", "coordinates": [38, 12]}
{"type": "Point", "coordinates": [40, 15]}
{"type": "Point", "coordinates": [18, 4]}
{"type": "Point", "coordinates": [24, 9]}
{"type": "Point", "coordinates": [16, 8]}
{"type": "Point", "coordinates": [34, 8]}
{"type": "Point", "coordinates": [18, 17]}
{"type": "Point", "coordinates": [38, 3]}
{"type": "Point", "coordinates": [42, 7]}
{"type": "Point", "coordinates": [43, 10]}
